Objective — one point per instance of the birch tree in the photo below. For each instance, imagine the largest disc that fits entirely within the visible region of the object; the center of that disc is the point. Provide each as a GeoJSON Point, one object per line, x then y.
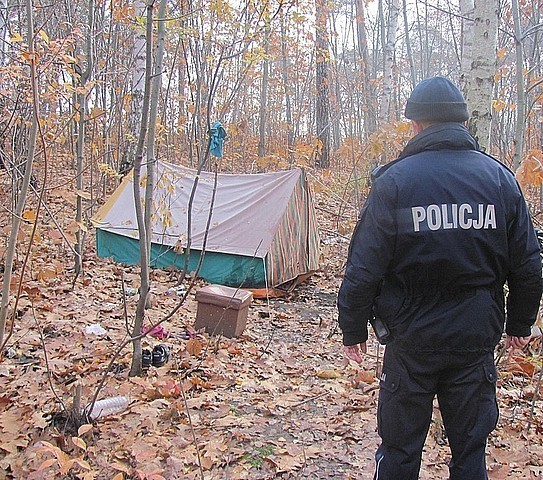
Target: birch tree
{"type": "Point", "coordinates": [137, 88]}
{"type": "Point", "coordinates": [466, 11]}
{"type": "Point", "coordinates": [480, 78]}
{"type": "Point", "coordinates": [153, 83]}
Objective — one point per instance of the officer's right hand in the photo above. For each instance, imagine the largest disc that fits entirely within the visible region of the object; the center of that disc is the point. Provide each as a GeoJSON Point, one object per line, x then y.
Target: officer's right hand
{"type": "Point", "coordinates": [355, 352]}
{"type": "Point", "coordinates": [516, 343]}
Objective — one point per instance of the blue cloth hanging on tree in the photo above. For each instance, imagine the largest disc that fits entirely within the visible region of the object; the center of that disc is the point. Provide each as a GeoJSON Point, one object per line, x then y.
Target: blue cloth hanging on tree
{"type": "Point", "coordinates": [217, 134]}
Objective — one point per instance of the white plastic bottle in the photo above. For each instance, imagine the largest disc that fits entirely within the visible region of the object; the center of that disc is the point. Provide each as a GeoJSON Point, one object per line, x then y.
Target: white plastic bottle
{"type": "Point", "coordinates": [106, 406]}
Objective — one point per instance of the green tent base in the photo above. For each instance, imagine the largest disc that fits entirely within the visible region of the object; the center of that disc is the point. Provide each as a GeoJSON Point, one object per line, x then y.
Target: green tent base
{"type": "Point", "coordinates": [221, 268]}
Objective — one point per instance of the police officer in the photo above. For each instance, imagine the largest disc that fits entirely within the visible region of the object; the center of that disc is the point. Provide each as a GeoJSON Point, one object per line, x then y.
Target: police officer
{"type": "Point", "coordinates": [444, 227]}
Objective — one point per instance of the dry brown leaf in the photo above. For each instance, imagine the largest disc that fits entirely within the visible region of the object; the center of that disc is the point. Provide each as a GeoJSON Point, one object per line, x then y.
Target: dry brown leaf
{"type": "Point", "coordinates": [82, 463]}
{"type": "Point", "coordinates": [14, 445]}
{"type": "Point", "coordinates": [142, 451]}
{"type": "Point", "coordinates": [520, 364]}
{"type": "Point", "coordinates": [364, 376]}
{"type": "Point", "coordinates": [121, 467]}
{"type": "Point", "coordinates": [268, 293]}
{"type": "Point", "coordinates": [329, 374]}
{"type": "Point", "coordinates": [287, 463]}
{"type": "Point", "coordinates": [55, 236]}
{"type": "Point", "coordinates": [200, 383]}
{"type": "Point", "coordinates": [194, 347]}
{"type": "Point", "coordinates": [29, 215]}
{"type": "Point", "coordinates": [10, 422]}
{"type": "Point", "coordinates": [80, 443]}
{"type": "Point", "coordinates": [46, 273]}
{"type": "Point", "coordinates": [47, 464]}
{"type": "Point", "coordinates": [151, 473]}
{"type": "Point", "coordinates": [498, 472]}
{"type": "Point", "coordinates": [84, 429]}
{"type": "Point", "coordinates": [83, 194]}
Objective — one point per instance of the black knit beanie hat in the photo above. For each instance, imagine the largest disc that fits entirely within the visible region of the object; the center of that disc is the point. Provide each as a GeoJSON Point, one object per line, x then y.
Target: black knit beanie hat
{"type": "Point", "coordinates": [436, 99]}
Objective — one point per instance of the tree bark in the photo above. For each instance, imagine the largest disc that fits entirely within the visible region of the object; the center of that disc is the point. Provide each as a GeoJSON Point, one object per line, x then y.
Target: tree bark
{"type": "Point", "coordinates": [518, 139]}
{"type": "Point", "coordinates": [143, 211]}
{"type": "Point", "coordinates": [388, 61]}
{"type": "Point", "coordinates": [467, 11]}
{"type": "Point", "coordinates": [3, 30]}
{"type": "Point", "coordinates": [137, 90]}
{"type": "Point", "coordinates": [482, 70]}
{"type": "Point", "coordinates": [264, 92]}
{"type": "Point", "coordinates": [410, 58]}
{"type": "Point", "coordinates": [368, 99]}
{"type": "Point", "coordinates": [80, 145]}
{"type": "Point", "coordinates": [21, 199]}
{"type": "Point", "coordinates": [322, 110]}
{"type": "Point", "coordinates": [286, 87]}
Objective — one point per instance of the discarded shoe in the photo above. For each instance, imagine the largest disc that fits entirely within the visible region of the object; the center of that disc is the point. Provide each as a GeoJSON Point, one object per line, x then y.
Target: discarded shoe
{"type": "Point", "coordinates": [146, 358]}
{"type": "Point", "coordinates": [161, 355]}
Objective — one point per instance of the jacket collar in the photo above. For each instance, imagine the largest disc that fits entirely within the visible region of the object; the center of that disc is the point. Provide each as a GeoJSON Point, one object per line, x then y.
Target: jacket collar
{"type": "Point", "coordinates": [442, 136]}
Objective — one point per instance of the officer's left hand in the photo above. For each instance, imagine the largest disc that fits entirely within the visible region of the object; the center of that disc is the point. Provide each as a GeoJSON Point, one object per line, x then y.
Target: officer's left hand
{"type": "Point", "coordinates": [355, 352]}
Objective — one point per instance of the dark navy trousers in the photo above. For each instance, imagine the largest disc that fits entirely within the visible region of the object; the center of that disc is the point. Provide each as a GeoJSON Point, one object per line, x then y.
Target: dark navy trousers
{"type": "Point", "coordinates": [465, 386]}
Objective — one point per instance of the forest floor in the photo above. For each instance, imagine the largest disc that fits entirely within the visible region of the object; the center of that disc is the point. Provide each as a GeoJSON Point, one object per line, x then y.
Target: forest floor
{"type": "Point", "coordinates": [279, 401]}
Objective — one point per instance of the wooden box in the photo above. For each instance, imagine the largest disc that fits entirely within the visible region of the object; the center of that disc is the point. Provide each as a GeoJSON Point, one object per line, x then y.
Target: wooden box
{"type": "Point", "coordinates": [222, 310]}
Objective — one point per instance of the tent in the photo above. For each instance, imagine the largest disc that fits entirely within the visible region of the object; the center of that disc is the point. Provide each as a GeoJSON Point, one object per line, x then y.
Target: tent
{"type": "Point", "coordinates": [256, 230]}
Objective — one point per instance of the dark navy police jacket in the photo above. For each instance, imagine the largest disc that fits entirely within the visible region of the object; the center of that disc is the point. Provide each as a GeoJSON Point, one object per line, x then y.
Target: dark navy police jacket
{"type": "Point", "coordinates": [444, 227]}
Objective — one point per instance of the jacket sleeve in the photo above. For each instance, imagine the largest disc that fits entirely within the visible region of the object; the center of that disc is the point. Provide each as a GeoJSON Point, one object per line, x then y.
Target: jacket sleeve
{"type": "Point", "coordinates": [370, 252]}
{"type": "Point", "coordinates": [524, 279]}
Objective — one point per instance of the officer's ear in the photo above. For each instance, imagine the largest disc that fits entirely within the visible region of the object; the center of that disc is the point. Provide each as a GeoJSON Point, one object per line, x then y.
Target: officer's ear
{"type": "Point", "coordinates": [417, 126]}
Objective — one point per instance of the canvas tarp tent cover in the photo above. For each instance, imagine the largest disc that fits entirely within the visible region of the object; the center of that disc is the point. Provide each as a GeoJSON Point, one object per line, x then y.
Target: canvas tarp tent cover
{"type": "Point", "coordinates": [262, 231]}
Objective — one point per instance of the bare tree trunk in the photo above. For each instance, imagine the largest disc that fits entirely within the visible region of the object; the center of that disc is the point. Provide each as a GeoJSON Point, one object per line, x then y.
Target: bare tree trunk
{"type": "Point", "coordinates": [182, 106]}
{"type": "Point", "coordinates": [82, 105]}
{"type": "Point", "coordinates": [286, 86]}
{"type": "Point", "coordinates": [143, 230]}
{"type": "Point", "coordinates": [21, 199]}
{"type": "Point", "coordinates": [368, 99]}
{"type": "Point", "coordinates": [483, 68]}
{"type": "Point", "coordinates": [194, 53]}
{"type": "Point", "coordinates": [422, 24]}
{"type": "Point", "coordinates": [518, 139]}
{"type": "Point", "coordinates": [137, 91]}
{"type": "Point", "coordinates": [322, 111]}
{"type": "Point", "coordinates": [467, 11]}
{"type": "Point", "coordinates": [264, 92]}
{"type": "Point", "coordinates": [410, 58]}
{"type": "Point", "coordinates": [146, 238]}
{"type": "Point", "coordinates": [388, 61]}
{"type": "Point", "coordinates": [3, 29]}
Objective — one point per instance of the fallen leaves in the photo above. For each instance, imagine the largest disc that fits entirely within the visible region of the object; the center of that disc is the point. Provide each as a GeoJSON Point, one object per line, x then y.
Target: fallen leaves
{"type": "Point", "coordinates": [62, 462]}
{"type": "Point", "coordinates": [277, 401]}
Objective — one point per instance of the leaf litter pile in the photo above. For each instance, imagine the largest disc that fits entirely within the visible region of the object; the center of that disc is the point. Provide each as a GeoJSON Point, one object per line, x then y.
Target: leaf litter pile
{"type": "Point", "coordinates": [279, 401]}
